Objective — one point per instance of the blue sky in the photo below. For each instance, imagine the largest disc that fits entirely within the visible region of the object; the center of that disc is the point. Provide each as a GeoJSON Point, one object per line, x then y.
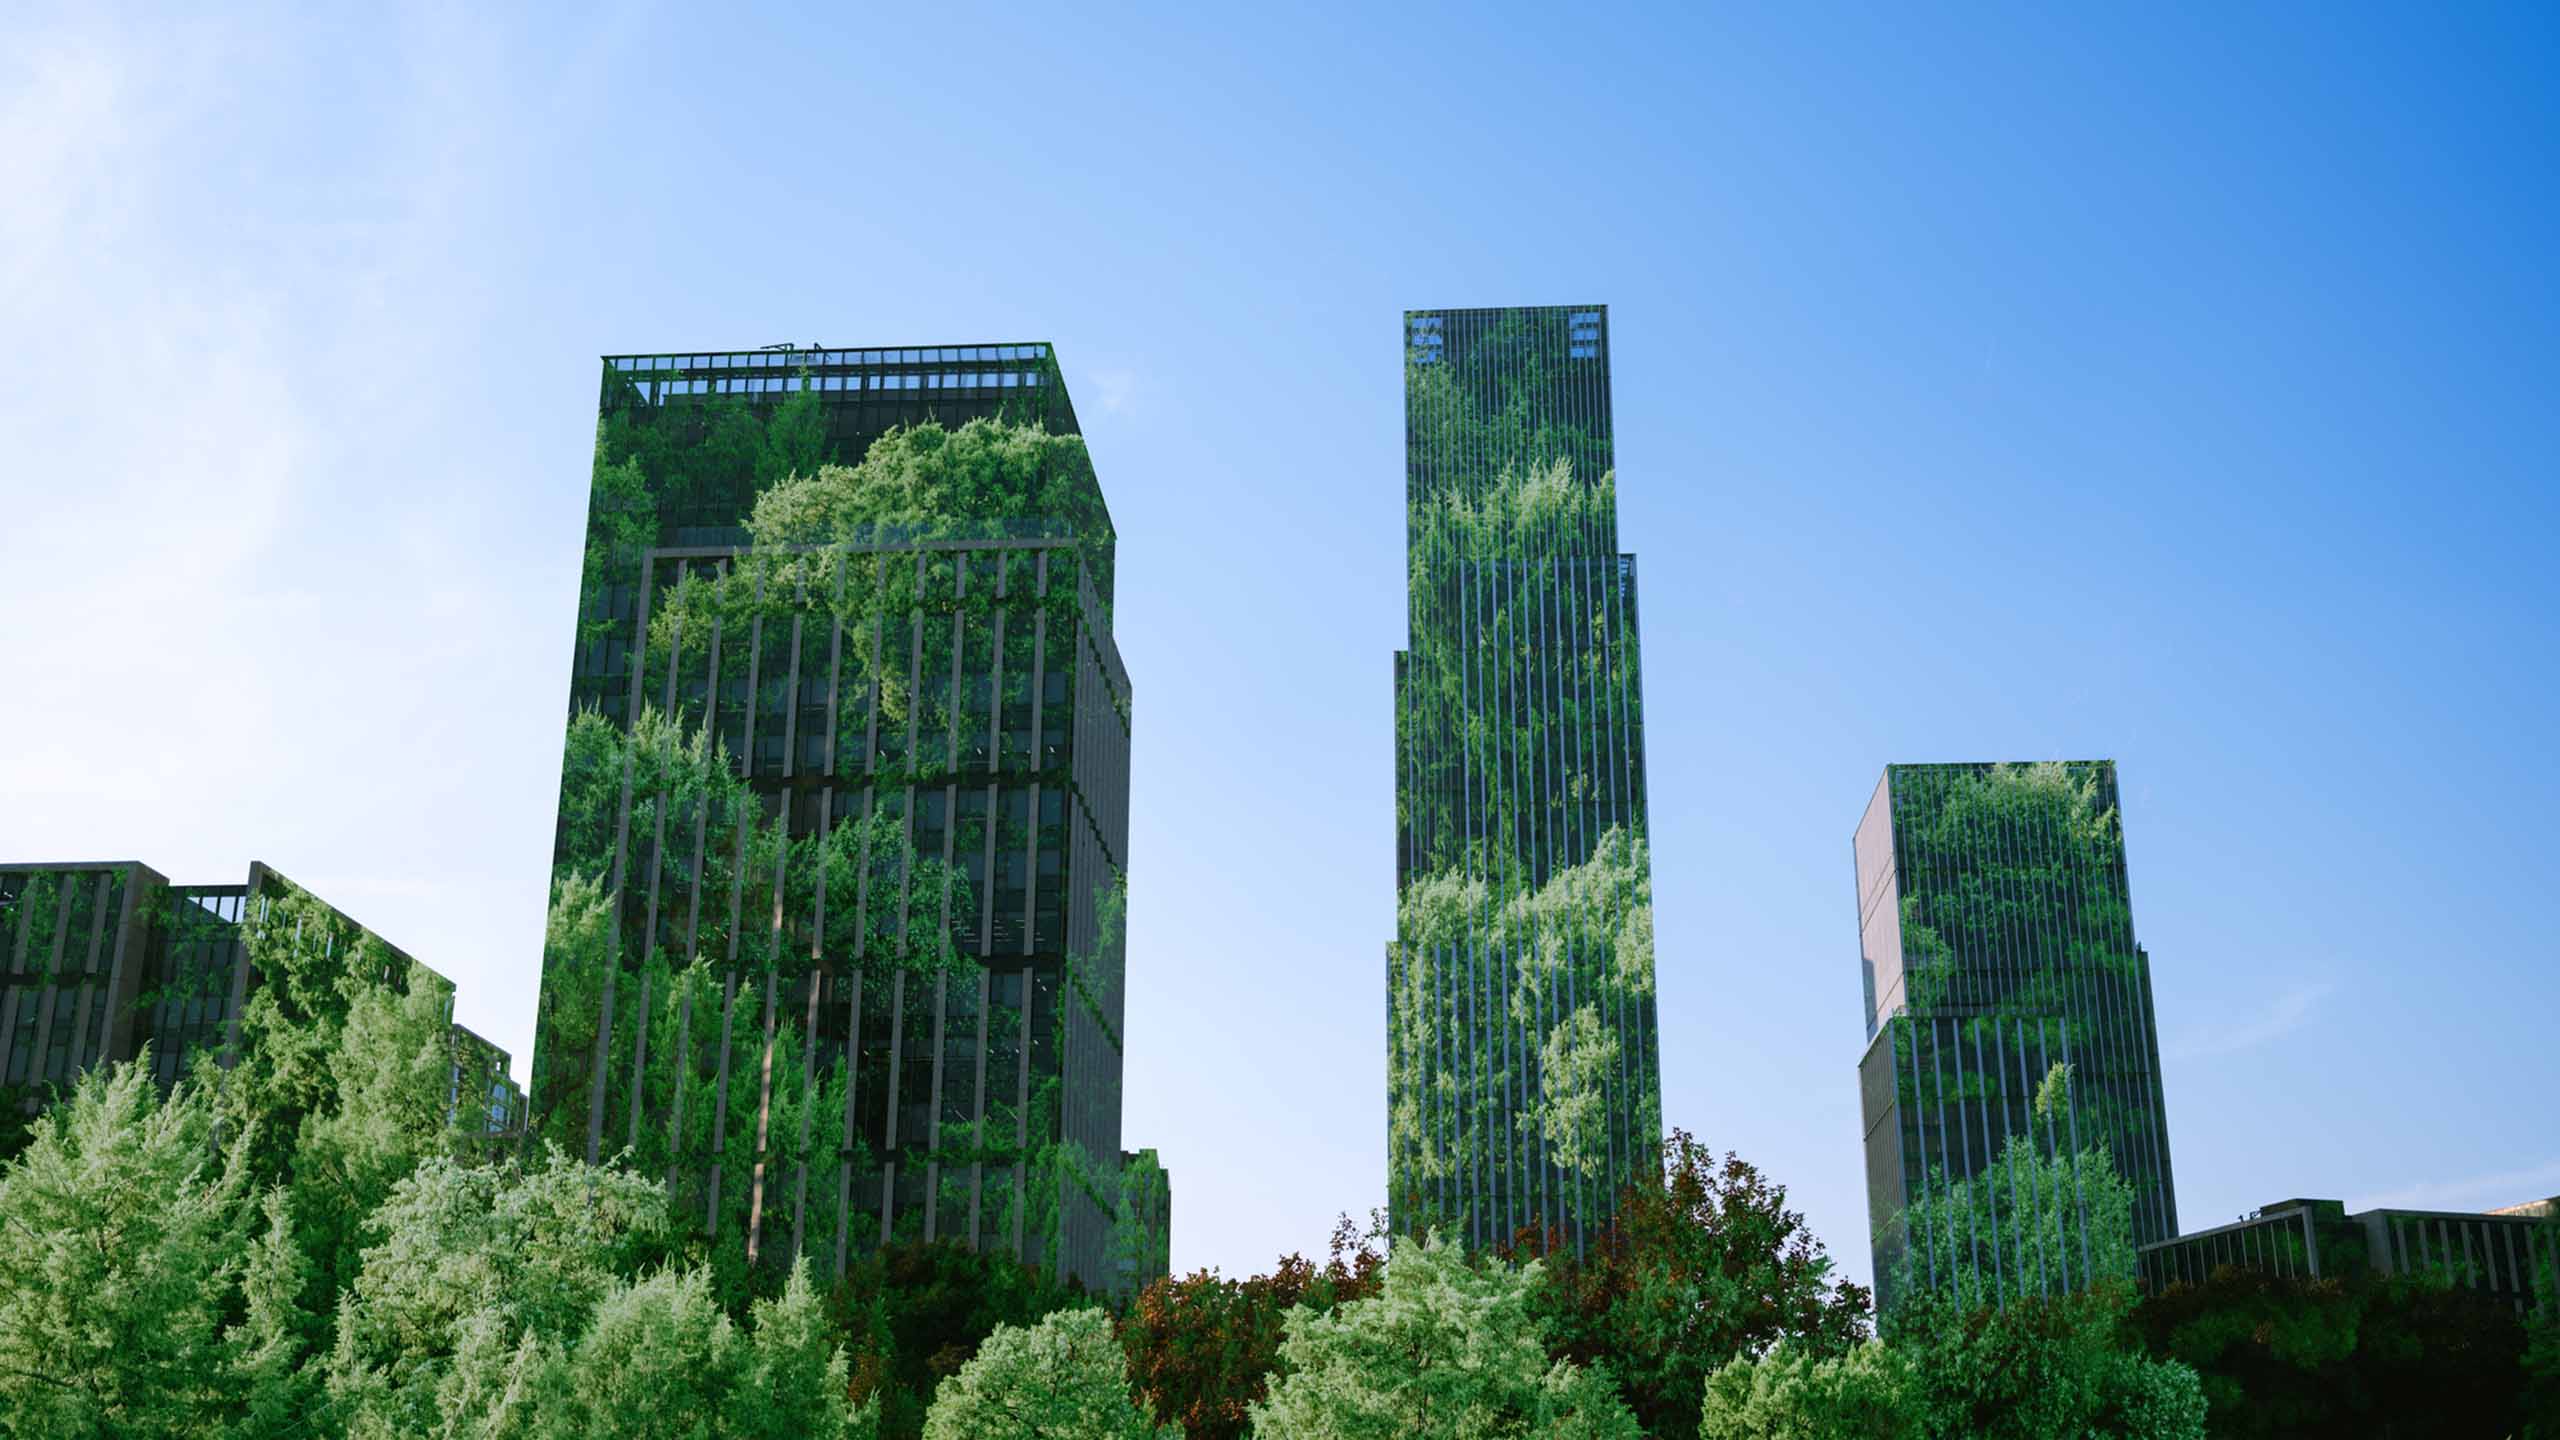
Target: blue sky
{"type": "Point", "coordinates": [1994, 383]}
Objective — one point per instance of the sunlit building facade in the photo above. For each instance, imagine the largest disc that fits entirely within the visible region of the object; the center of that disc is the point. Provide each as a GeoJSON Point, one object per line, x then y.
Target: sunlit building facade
{"type": "Point", "coordinates": [812, 739]}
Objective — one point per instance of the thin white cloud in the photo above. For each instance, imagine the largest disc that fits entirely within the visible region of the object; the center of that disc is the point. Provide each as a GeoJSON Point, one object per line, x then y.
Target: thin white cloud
{"type": "Point", "coordinates": [2477, 1192]}
{"type": "Point", "coordinates": [2286, 1015]}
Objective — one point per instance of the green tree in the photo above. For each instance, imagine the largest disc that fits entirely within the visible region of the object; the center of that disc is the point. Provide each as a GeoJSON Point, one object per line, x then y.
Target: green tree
{"type": "Point", "coordinates": [476, 1277]}
{"type": "Point", "coordinates": [1702, 1261]}
{"type": "Point", "coordinates": [1203, 1347]}
{"type": "Point", "coordinates": [2002, 1347]}
{"type": "Point", "coordinates": [1447, 1348]}
{"type": "Point", "coordinates": [2040, 1368]}
{"type": "Point", "coordinates": [126, 1230]}
{"type": "Point", "coordinates": [389, 1107]}
{"type": "Point", "coordinates": [661, 1358]}
{"type": "Point", "coordinates": [913, 1312]}
{"type": "Point", "coordinates": [1796, 1393]}
{"type": "Point", "coordinates": [2354, 1354]}
{"type": "Point", "coordinates": [1062, 1379]}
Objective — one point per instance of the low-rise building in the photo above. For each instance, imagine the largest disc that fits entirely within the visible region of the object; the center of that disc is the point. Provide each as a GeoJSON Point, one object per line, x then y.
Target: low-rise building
{"type": "Point", "coordinates": [101, 959]}
{"type": "Point", "coordinates": [2513, 1254]}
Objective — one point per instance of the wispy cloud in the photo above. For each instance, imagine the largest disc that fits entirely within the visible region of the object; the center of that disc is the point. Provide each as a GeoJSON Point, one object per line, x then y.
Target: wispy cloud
{"type": "Point", "coordinates": [2282, 1018]}
{"type": "Point", "coordinates": [2477, 1192]}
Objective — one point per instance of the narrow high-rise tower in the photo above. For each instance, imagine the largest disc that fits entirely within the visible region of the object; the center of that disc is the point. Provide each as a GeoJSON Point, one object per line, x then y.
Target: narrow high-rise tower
{"type": "Point", "coordinates": [1996, 940]}
{"type": "Point", "coordinates": [835, 940]}
{"type": "Point", "coordinates": [1524, 1073]}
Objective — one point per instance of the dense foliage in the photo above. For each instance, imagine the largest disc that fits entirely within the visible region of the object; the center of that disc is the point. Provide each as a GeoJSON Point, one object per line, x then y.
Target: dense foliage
{"type": "Point", "coordinates": [1524, 1076]}
{"type": "Point", "coordinates": [1204, 1346]}
{"type": "Point", "coordinates": [735, 953]}
{"type": "Point", "coordinates": [158, 1288]}
{"type": "Point", "coordinates": [2404, 1356]}
{"type": "Point", "coordinates": [914, 1312]}
{"type": "Point", "coordinates": [1062, 1379]}
{"type": "Point", "coordinates": [1448, 1349]}
{"type": "Point", "coordinates": [2015, 952]}
{"type": "Point", "coordinates": [1702, 1261]}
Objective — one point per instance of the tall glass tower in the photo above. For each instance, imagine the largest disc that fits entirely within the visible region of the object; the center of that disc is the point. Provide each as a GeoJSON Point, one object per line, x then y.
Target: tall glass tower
{"type": "Point", "coordinates": [1524, 1072]}
{"type": "Point", "coordinates": [834, 941]}
{"type": "Point", "coordinates": [1996, 943]}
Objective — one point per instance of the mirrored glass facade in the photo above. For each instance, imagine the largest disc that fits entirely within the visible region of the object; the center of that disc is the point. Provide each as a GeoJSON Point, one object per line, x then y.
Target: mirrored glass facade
{"type": "Point", "coordinates": [1996, 942]}
{"type": "Point", "coordinates": [1524, 1075]}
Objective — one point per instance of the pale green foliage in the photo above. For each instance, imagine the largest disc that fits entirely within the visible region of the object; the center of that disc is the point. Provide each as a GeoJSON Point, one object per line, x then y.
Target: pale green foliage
{"type": "Point", "coordinates": [1575, 1067]}
{"type": "Point", "coordinates": [1587, 931]}
{"type": "Point", "coordinates": [501, 1301]}
{"type": "Point", "coordinates": [267, 1347]}
{"type": "Point", "coordinates": [391, 1087]}
{"type": "Point", "coordinates": [661, 1358]}
{"type": "Point", "coordinates": [927, 479]}
{"type": "Point", "coordinates": [125, 1237]}
{"type": "Point", "coordinates": [1062, 1379]}
{"type": "Point", "coordinates": [2030, 1223]}
{"type": "Point", "coordinates": [497, 1257]}
{"type": "Point", "coordinates": [1793, 1394]}
{"type": "Point", "coordinates": [1448, 1348]}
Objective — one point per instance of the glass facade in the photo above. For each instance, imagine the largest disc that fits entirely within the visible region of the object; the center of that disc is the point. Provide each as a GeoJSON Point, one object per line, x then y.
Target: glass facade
{"type": "Point", "coordinates": [1524, 1077]}
{"type": "Point", "coordinates": [855, 799]}
{"type": "Point", "coordinates": [2514, 1257]}
{"type": "Point", "coordinates": [104, 959]}
{"type": "Point", "coordinates": [1996, 942]}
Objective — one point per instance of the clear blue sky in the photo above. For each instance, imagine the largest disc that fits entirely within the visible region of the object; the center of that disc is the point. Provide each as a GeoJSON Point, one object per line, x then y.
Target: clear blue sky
{"type": "Point", "coordinates": [1991, 383]}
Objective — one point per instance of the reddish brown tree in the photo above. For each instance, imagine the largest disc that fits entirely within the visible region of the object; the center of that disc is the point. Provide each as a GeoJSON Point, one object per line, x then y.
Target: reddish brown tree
{"type": "Point", "coordinates": [1702, 1262]}
{"type": "Point", "coordinates": [1201, 1346]}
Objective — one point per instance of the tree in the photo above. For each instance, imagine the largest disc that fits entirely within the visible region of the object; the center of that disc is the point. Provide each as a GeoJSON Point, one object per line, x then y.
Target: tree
{"type": "Point", "coordinates": [1447, 1348]}
{"type": "Point", "coordinates": [1202, 1347]}
{"type": "Point", "coordinates": [125, 1230]}
{"type": "Point", "coordinates": [477, 1275]}
{"type": "Point", "coordinates": [1794, 1393]}
{"type": "Point", "coordinates": [1062, 1379]}
{"type": "Point", "coordinates": [660, 1357]}
{"type": "Point", "coordinates": [389, 1107]}
{"type": "Point", "coordinates": [2040, 1368]}
{"type": "Point", "coordinates": [912, 1313]}
{"type": "Point", "coordinates": [2031, 1340]}
{"type": "Point", "coordinates": [2542, 1373]}
{"type": "Point", "coordinates": [2354, 1354]}
{"type": "Point", "coordinates": [1702, 1262]}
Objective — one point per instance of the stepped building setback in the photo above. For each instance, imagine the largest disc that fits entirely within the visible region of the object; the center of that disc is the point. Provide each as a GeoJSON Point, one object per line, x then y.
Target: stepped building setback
{"type": "Point", "coordinates": [836, 943]}
{"type": "Point", "coordinates": [1524, 1071]}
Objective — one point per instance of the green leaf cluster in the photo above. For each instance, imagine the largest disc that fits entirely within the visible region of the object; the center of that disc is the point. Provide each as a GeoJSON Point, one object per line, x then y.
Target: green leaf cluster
{"type": "Point", "coordinates": [1449, 1349]}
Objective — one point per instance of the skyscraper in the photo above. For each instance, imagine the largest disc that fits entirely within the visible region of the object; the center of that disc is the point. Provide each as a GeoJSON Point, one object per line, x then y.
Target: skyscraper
{"type": "Point", "coordinates": [1524, 1073]}
{"type": "Point", "coordinates": [835, 938]}
{"type": "Point", "coordinates": [1996, 940]}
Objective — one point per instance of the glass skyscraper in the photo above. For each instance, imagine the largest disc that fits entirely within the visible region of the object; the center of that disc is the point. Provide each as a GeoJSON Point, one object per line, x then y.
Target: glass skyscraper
{"type": "Point", "coordinates": [835, 938]}
{"type": "Point", "coordinates": [1524, 1074]}
{"type": "Point", "coordinates": [1996, 943]}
